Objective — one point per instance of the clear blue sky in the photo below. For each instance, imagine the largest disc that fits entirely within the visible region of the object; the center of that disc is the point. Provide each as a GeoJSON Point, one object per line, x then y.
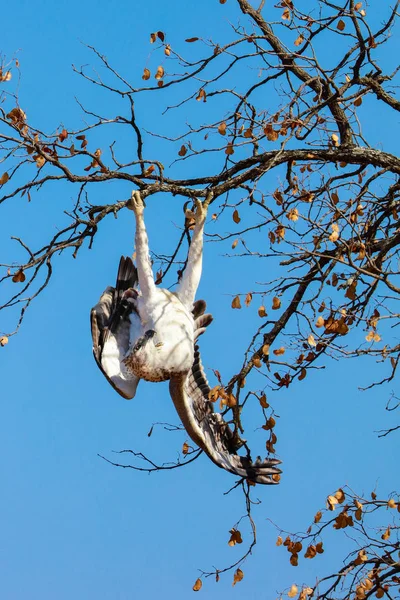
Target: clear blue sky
{"type": "Point", "coordinates": [72, 526]}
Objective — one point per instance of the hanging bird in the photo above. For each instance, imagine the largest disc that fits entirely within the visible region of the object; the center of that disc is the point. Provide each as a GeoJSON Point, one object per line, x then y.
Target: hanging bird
{"type": "Point", "coordinates": [141, 331]}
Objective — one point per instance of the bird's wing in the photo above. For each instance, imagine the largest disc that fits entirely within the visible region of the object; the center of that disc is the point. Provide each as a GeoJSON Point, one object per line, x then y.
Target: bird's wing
{"type": "Point", "coordinates": [208, 429]}
{"type": "Point", "coordinates": [110, 323]}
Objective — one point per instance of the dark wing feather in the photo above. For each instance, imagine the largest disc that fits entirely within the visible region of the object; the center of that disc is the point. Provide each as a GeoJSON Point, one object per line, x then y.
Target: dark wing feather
{"type": "Point", "coordinates": [110, 324]}
{"type": "Point", "coordinates": [207, 428]}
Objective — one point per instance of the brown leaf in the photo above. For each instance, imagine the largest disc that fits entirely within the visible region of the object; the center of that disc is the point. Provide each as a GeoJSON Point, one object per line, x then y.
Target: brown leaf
{"type": "Point", "coordinates": [262, 312]}
{"type": "Point", "coordinates": [63, 135]}
{"type": "Point", "coordinates": [197, 585]}
{"type": "Point", "coordinates": [19, 277]}
{"type": "Point", "coordinates": [153, 38]}
{"type": "Point", "coordinates": [386, 535]}
{"type": "Point", "coordinates": [341, 25]}
{"type": "Point", "coordinates": [293, 214]}
{"type": "Point", "coordinates": [183, 150]}
{"type": "Point", "coordinates": [279, 351]}
{"type": "Point", "coordinates": [340, 496]}
{"type": "Point", "coordinates": [148, 171]}
{"type": "Point", "coordinates": [236, 216]}
{"type": "Point", "coordinates": [276, 303]}
{"type": "Point", "coordinates": [40, 160]}
{"type": "Point", "coordinates": [185, 448]}
{"type": "Point", "coordinates": [236, 302]}
{"type": "Point", "coordinates": [201, 95]}
{"type": "Point", "coordinates": [299, 40]}
{"type": "Point", "coordinates": [264, 404]}
{"type": "Point", "coordinates": [167, 50]}
{"type": "Point", "coordinates": [222, 128]}
{"type": "Point", "coordinates": [331, 502]}
{"type": "Point", "coordinates": [237, 576]}
{"type": "Point", "coordinates": [161, 35]}
{"type": "Point", "coordinates": [159, 73]}
{"type": "Point", "coordinates": [320, 322]}
{"type": "Point", "coordinates": [3, 340]}
{"type": "Point", "coordinates": [302, 375]}
{"type": "Point", "coordinates": [249, 298]}
{"type": "Point", "coordinates": [293, 591]}
{"type": "Point", "coordinates": [279, 541]}
{"type": "Point", "coordinates": [358, 101]}
{"type": "Point", "coordinates": [236, 537]}
{"type": "Point", "coordinates": [192, 39]}
{"type": "Point", "coordinates": [4, 178]}
{"type": "Point", "coordinates": [373, 336]}
{"type": "Point", "coordinates": [235, 243]}
{"type": "Point", "coordinates": [229, 150]}
{"type": "Point", "coordinates": [146, 74]}
{"type": "Point", "coordinates": [318, 517]}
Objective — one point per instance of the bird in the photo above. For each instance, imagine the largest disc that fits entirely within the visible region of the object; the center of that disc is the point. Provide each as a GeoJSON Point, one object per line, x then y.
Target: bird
{"type": "Point", "coordinates": [142, 331]}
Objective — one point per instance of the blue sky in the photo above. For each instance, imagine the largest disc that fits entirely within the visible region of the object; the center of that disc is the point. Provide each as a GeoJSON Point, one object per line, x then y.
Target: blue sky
{"type": "Point", "coordinates": [72, 526]}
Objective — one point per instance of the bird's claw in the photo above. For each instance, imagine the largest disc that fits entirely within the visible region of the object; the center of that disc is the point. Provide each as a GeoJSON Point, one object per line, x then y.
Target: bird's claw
{"type": "Point", "coordinates": [136, 203]}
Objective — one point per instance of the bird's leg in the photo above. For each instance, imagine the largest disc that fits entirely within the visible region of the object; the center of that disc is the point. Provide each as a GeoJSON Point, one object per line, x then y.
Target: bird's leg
{"type": "Point", "coordinates": [187, 288]}
{"type": "Point", "coordinates": [143, 264]}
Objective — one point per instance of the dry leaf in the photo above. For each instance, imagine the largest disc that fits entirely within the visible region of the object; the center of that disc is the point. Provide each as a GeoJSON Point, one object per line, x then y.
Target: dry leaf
{"type": "Point", "coordinates": [236, 537]}
{"type": "Point", "coordinates": [159, 73]}
{"type": "Point", "coordinates": [279, 541]}
{"type": "Point", "coordinates": [201, 95]}
{"type": "Point", "coordinates": [4, 178]}
{"type": "Point", "coordinates": [167, 50]}
{"type": "Point", "coordinates": [293, 591]}
{"type": "Point", "coordinates": [146, 74]}
{"type": "Point", "coordinates": [249, 298]}
{"type": "Point", "coordinates": [197, 585]}
{"type": "Point", "coordinates": [335, 139]}
{"type": "Point", "coordinates": [262, 312]}
{"type": "Point", "coordinates": [236, 302]}
{"type": "Point", "coordinates": [331, 502]}
{"type": "Point", "coordinates": [341, 25]}
{"type": "Point", "coordinates": [19, 277]}
{"type": "Point", "coordinates": [63, 135]}
{"type": "Point", "coordinates": [3, 340]}
{"type": "Point", "coordinates": [238, 576]}
{"type": "Point", "coordinates": [235, 243]}
{"type": "Point", "coordinates": [229, 150]}
{"type": "Point", "coordinates": [373, 336]}
{"type": "Point", "coordinates": [222, 128]}
{"type": "Point", "coordinates": [318, 517]}
{"type": "Point", "coordinates": [311, 340]}
{"type": "Point", "coordinates": [303, 374]}
{"type": "Point", "coordinates": [293, 214]}
{"type": "Point", "coordinates": [279, 351]}
{"type": "Point", "coordinates": [148, 171]}
{"type": "Point", "coordinates": [192, 39]}
{"type": "Point", "coordinates": [236, 216]}
{"type": "Point", "coordinates": [299, 40]}
{"type": "Point", "coordinates": [276, 303]}
{"type": "Point", "coordinates": [185, 448]}
{"type": "Point", "coordinates": [183, 150]}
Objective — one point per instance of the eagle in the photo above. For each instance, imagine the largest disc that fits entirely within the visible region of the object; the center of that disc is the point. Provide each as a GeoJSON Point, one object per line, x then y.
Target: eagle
{"type": "Point", "coordinates": [142, 331]}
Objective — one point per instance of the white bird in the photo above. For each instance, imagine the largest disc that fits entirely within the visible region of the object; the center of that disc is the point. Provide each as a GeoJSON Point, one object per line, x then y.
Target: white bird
{"type": "Point", "coordinates": [141, 331]}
